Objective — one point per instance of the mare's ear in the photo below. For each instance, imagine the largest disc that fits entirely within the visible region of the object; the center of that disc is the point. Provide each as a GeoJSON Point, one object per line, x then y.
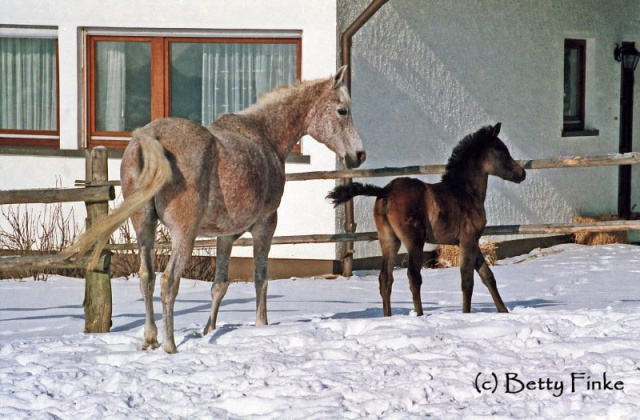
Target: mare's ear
{"type": "Point", "coordinates": [337, 78]}
{"type": "Point", "coordinates": [496, 130]}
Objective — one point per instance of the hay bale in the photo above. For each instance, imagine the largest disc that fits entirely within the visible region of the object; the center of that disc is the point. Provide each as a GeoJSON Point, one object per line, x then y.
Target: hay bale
{"type": "Point", "coordinates": [449, 255]}
{"type": "Point", "coordinates": [599, 238]}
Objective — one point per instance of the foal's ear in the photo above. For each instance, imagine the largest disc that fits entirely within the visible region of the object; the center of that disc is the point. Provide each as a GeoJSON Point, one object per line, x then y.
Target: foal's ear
{"type": "Point", "coordinates": [496, 130]}
{"type": "Point", "coordinates": [337, 78]}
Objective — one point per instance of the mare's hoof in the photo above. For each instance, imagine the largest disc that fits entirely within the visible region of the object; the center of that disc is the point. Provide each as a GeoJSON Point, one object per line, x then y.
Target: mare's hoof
{"type": "Point", "coordinates": [170, 349]}
{"type": "Point", "coordinates": [154, 345]}
{"type": "Point", "coordinates": [209, 328]}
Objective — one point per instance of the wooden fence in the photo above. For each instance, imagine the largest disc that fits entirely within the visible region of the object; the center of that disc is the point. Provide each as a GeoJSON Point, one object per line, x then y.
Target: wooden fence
{"type": "Point", "coordinates": [97, 191]}
{"type": "Point", "coordinates": [550, 163]}
{"type": "Point", "coordinates": [97, 301]}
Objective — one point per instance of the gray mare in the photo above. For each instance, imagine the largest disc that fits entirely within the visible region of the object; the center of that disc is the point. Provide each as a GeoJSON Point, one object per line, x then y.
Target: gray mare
{"type": "Point", "coordinates": [220, 181]}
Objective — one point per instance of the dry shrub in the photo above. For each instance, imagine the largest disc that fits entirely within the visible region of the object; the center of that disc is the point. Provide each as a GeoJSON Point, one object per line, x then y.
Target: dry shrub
{"type": "Point", "coordinates": [599, 238]}
{"type": "Point", "coordinates": [48, 232]}
{"type": "Point", "coordinates": [449, 255]}
{"type": "Point", "coordinates": [127, 263]}
{"type": "Point", "coordinates": [52, 229]}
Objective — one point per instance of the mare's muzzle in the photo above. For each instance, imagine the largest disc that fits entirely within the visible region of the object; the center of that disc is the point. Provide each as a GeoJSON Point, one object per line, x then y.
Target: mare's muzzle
{"type": "Point", "coordinates": [354, 161]}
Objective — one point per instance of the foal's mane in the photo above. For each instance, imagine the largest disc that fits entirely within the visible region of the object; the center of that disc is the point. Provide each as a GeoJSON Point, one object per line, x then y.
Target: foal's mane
{"type": "Point", "coordinates": [470, 146]}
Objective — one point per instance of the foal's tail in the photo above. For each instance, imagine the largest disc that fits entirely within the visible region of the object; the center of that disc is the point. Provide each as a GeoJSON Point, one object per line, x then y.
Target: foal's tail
{"type": "Point", "coordinates": [344, 193]}
{"type": "Point", "coordinates": [156, 172]}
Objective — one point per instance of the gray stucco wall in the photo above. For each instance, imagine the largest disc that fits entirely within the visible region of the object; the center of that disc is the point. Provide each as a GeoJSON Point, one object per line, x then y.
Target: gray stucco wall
{"type": "Point", "coordinates": [426, 73]}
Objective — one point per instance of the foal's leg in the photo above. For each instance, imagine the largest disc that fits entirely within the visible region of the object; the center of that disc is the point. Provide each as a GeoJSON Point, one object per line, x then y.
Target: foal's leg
{"type": "Point", "coordinates": [489, 280]}
{"type": "Point", "coordinates": [262, 233]}
{"type": "Point", "coordinates": [389, 245]}
{"type": "Point", "coordinates": [467, 266]}
{"type": "Point", "coordinates": [416, 255]}
{"type": "Point", "coordinates": [221, 282]}
{"type": "Point", "coordinates": [145, 223]}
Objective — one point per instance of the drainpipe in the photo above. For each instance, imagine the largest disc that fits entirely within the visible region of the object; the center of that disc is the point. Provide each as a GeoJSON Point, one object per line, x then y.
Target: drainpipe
{"type": "Point", "coordinates": [345, 49]}
{"type": "Point", "coordinates": [626, 135]}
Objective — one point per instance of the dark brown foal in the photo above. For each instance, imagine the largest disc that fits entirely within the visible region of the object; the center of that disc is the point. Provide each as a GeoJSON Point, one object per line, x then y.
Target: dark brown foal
{"type": "Point", "coordinates": [451, 212]}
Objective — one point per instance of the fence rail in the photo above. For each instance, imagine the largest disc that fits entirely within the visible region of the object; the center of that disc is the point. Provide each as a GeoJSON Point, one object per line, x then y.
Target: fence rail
{"type": "Point", "coordinates": [49, 261]}
{"type": "Point", "coordinates": [64, 195]}
{"type": "Point", "coordinates": [549, 163]}
{"type": "Point", "coordinates": [534, 229]}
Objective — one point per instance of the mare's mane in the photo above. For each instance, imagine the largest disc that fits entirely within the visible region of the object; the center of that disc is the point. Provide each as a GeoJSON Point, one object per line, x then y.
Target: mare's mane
{"type": "Point", "coordinates": [469, 146]}
{"type": "Point", "coordinates": [281, 92]}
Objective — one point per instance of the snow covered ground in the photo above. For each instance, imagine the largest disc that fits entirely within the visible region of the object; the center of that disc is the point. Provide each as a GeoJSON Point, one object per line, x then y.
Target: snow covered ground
{"type": "Point", "coordinates": [570, 348]}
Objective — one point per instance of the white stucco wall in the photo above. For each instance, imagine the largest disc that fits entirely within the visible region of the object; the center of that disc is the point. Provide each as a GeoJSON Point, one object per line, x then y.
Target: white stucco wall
{"type": "Point", "coordinates": [303, 209]}
{"type": "Point", "coordinates": [425, 74]}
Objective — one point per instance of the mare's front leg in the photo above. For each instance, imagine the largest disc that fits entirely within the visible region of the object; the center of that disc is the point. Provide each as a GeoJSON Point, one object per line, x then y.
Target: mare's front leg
{"type": "Point", "coordinates": [489, 280]}
{"type": "Point", "coordinates": [262, 233]}
{"type": "Point", "coordinates": [221, 282]}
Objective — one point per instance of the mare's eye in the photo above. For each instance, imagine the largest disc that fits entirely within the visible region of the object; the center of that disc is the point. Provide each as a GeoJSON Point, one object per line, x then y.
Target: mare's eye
{"type": "Point", "coordinates": [343, 111]}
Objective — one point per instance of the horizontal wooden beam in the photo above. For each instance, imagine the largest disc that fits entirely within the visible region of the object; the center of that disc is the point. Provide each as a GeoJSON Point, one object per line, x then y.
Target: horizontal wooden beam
{"type": "Point", "coordinates": [609, 226]}
{"type": "Point", "coordinates": [58, 195]}
{"type": "Point", "coordinates": [632, 158]}
{"type": "Point", "coordinates": [20, 263]}
{"type": "Point", "coordinates": [50, 261]}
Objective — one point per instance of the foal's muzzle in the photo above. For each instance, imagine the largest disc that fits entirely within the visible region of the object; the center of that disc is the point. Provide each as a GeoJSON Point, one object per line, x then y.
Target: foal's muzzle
{"type": "Point", "coordinates": [519, 176]}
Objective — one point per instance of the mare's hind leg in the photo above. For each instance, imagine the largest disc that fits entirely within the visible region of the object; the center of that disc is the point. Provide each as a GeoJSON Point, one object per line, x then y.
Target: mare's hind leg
{"type": "Point", "coordinates": [262, 233]}
{"type": "Point", "coordinates": [489, 280]}
{"type": "Point", "coordinates": [389, 245]}
{"type": "Point", "coordinates": [221, 282]}
{"type": "Point", "coordinates": [182, 247]}
{"type": "Point", "coordinates": [145, 223]}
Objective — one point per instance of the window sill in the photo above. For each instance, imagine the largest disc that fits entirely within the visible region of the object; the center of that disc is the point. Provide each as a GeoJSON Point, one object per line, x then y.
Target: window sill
{"type": "Point", "coordinates": [113, 153]}
{"type": "Point", "coordinates": [51, 152]}
{"type": "Point", "coordinates": [298, 158]}
{"type": "Point", "coordinates": [581, 133]}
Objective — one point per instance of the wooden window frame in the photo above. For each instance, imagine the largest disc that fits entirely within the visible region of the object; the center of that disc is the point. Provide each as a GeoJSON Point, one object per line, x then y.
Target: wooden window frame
{"type": "Point", "coordinates": [577, 123]}
{"type": "Point", "coordinates": [160, 78]}
{"type": "Point", "coordinates": [37, 138]}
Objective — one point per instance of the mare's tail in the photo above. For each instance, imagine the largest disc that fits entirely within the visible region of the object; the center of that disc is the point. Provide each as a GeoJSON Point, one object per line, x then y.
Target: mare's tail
{"type": "Point", "coordinates": [344, 193]}
{"type": "Point", "coordinates": [156, 172]}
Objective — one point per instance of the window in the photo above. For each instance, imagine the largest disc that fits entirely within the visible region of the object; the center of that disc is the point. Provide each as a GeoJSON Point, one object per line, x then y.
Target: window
{"type": "Point", "coordinates": [134, 80]}
{"type": "Point", "coordinates": [29, 91]}
{"type": "Point", "coordinates": [574, 84]}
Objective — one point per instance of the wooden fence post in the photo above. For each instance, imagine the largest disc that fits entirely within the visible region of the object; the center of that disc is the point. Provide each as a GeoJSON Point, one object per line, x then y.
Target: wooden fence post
{"type": "Point", "coordinates": [97, 298]}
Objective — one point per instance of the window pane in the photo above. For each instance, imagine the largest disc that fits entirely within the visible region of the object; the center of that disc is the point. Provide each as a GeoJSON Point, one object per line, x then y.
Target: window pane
{"type": "Point", "coordinates": [209, 79]}
{"type": "Point", "coordinates": [123, 85]}
{"type": "Point", "coordinates": [571, 81]}
{"type": "Point", "coordinates": [28, 84]}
